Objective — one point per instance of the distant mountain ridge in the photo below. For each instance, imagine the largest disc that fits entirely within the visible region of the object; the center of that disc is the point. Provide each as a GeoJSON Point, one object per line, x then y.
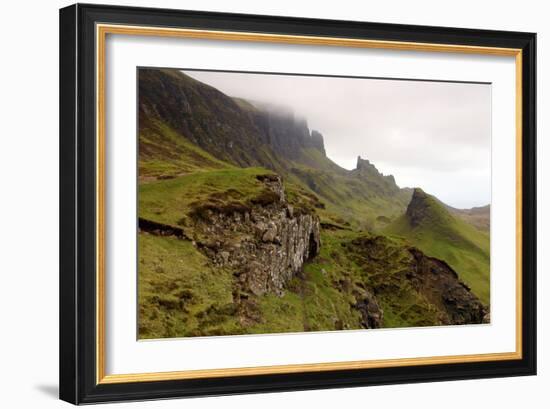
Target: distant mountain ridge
{"type": "Point", "coordinates": [249, 133]}
{"type": "Point", "coordinates": [479, 217]}
{"type": "Point", "coordinates": [230, 129]}
{"type": "Point", "coordinates": [244, 134]}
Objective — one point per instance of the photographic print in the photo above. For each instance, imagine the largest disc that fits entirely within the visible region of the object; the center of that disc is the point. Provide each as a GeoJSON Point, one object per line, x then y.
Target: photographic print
{"type": "Point", "coordinates": [273, 203]}
{"type": "Point", "coordinates": [257, 204]}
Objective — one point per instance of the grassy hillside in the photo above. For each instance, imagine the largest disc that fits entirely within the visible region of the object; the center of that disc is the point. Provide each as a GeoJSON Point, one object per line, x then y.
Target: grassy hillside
{"type": "Point", "coordinates": [180, 294]}
{"type": "Point", "coordinates": [326, 295]}
{"type": "Point", "coordinates": [170, 201]}
{"type": "Point", "coordinates": [366, 202]}
{"type": "Point", "coordinates": [164, 153]}
{"type": "Point", "coordinates": [428, 225]}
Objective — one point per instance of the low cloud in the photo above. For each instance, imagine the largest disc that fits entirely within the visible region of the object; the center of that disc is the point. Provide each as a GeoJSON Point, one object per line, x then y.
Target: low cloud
{"type": "Point", "coordinates": [430, 134]}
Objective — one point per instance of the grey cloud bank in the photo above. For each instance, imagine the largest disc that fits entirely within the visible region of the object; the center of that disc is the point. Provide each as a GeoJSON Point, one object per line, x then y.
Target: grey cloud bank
{"type": "Point", "coordinates": [432, 135]}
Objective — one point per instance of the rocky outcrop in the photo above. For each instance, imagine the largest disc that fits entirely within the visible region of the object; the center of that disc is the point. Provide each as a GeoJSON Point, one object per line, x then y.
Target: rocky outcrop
{"type": "Point", "coordinates": [372, 314]}
{"type": "Point", "coordinates": [424, 209]}
{"type": "Point", "coordinates": [265, 245]}
{"type": "Point", "coordinates": [418, 207]}
{"type": "Point", "coordinates": [364, 165]}
{"type": "Point", "coordinates": [382, 184]}
{"type": "Point", "coordinates": [440, 284]}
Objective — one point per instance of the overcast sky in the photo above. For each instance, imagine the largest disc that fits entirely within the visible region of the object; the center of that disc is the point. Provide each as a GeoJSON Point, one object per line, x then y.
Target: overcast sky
{"type": "Point", "coordinates": [432, 135]}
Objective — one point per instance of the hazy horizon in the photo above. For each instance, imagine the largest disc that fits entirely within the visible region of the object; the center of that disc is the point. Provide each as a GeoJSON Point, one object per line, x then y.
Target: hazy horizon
{"type": "Point", "coordinates": [432, 135]}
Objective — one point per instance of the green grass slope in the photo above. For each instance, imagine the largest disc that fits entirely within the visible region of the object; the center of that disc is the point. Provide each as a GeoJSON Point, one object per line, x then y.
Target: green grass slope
{"type": "Point", "coordinates": [179, 293]}
{"type": "Point", "coordinates": [164, 153]}
{"type": "Point", "coordinates": [169, 201]}
{"type": "Point", "coordinates": [182, 294]}
{"type": "Point", "coordinates": [365, 202]}
{"type": "Point", "coordinates": [428, 225]}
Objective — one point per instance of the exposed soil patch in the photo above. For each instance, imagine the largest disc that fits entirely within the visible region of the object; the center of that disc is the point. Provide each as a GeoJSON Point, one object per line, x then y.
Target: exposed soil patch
{"type": "Point", "coordinates": [160, 229]}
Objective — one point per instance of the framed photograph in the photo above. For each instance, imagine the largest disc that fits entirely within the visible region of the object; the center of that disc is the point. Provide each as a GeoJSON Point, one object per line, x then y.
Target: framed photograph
{"type": "Point", "coordinates": [257, 203]}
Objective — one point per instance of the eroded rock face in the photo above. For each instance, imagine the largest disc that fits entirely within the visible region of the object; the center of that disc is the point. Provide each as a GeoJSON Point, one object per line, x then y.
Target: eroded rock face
{"type": "Point", "coordinates": [424, 209]}
{"type": "Point", "coordinates": [393, 268]}
{"type": "Point", "coordinates": [441, 285]}
{"type": "Point", "coordinates": [286, 133]}
{"type": "Point", "coordinates": [372, 315]}
{"type": "Point", "coordinates": [265, 245]}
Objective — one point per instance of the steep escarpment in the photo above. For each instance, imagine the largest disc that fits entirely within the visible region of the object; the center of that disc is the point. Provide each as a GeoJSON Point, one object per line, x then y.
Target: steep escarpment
{"type": "Point", "coordinates": [199, 113]}
{"type": "Point", "coordinates": [285, 133]}
{"type": "Point", "coordinates": [231, 130]}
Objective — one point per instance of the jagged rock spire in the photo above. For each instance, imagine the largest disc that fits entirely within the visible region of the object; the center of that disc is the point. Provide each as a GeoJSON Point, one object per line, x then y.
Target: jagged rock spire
{"type": "Point", "coordinates": [365, 164]}
{"type": "Point", "coordinates": [423, 208]}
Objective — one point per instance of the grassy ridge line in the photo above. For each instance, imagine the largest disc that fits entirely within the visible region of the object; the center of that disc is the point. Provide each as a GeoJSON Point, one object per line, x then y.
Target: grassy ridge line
{"type": "Point", "coordinates": [169, 201]}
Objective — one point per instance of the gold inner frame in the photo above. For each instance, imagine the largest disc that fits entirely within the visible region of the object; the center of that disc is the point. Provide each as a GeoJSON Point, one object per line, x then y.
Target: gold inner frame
{"type": "Point", "coordinates": [101, 33]}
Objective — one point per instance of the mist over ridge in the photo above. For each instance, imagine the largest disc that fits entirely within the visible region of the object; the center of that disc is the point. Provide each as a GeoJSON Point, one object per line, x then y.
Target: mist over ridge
{"type": "Point", "coordinates": [429, 134]}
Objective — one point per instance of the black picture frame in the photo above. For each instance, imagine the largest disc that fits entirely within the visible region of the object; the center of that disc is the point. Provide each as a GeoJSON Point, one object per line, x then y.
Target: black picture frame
{"type": "Point", "coordinates": [78, 360]}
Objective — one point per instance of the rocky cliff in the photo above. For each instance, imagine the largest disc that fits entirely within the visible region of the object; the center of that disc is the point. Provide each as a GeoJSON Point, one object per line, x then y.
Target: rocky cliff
{"type": "Point", "coordinates": [265, 244]}
{"type": "Point", "coordinates": [231, 129]}
{"type": "Point", "coordinates": [284, 132]}
{"type": "Point", "coordinates": [378, 182]}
